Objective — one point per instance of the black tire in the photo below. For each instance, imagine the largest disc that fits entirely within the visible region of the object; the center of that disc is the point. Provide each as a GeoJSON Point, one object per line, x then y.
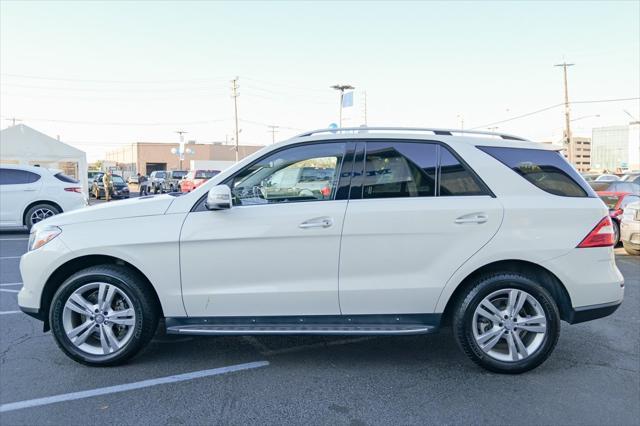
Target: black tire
{"type": "Point", "coordinates": [630, 250]}
{"type": "Point", "coordinates": [481, 288]}
{"type": "Point", "coordinates": [96, 194]}
{"type": "Point", "coordinates": [146, 313]}
{"type": "Point", "coordinates": [616, 233]}
{"type": "Point", "coordinates": [30, 220]}
{"type": "Point", "coordinates": [155, 189]}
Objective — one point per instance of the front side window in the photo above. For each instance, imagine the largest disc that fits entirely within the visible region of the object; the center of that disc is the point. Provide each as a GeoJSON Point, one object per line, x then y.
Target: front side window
{"type": "Point", "coordinates": [17, 177]}
{"type": "Point", "coordinates": [547, 170]}
{"type": "Point", "coordinates": [400, 169]}
{"type": "Point", "coordinates": [302, 173]}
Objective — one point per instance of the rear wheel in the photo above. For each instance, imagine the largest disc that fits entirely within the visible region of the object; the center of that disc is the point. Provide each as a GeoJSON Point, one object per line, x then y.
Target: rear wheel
{"type": "Point", "coordinates": [103, 315]}
{"type": "Point", "coordinates": [38, 213]}
{"type": "Point", "coordinates": [507, 323]}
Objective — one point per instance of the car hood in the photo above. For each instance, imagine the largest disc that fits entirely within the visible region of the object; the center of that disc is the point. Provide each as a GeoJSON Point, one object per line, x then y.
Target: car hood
{"type": "Point", "coordinates": [134, 207]}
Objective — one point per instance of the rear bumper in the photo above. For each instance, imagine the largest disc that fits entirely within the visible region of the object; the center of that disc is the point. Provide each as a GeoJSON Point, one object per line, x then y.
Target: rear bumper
{"type": "Point", "coordinates": [588, 313]}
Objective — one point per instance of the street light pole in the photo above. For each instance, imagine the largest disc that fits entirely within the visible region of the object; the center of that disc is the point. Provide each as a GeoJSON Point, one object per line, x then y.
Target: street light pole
{"type": "Point", "coordinates": [181, 147]}
{"type": "Point", "coordinates": [341, 88]}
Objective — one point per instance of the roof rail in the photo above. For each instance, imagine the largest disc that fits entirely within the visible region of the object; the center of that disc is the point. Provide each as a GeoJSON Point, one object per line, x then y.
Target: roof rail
{"type": "Point", "coordinates": [435, 131]}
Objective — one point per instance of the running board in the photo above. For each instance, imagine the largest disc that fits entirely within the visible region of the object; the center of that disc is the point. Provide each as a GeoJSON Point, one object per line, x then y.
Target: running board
{"type": "Point", "coordinates": [363, 325]}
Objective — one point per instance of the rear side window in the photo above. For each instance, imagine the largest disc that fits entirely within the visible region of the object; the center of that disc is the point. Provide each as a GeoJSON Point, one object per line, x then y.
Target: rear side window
{"type": "Point", "coordinates": [548, 170]}
{"type": "Point", "coordinates": [455, 178]}
{"type": "Point", "coordinates": [17, 177]}
{"type": "Point", "coordinates": [400, 169]}
{"type": "Point", "coordinates": [65, 178]}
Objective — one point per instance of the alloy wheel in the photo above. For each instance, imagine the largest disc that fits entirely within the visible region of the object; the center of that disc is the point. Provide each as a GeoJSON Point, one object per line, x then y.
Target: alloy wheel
{"type": "Point", "coordinates": [41, 214]}
{"type": "Point", "coordinates": [509, 325]}
{"type": "Point", "coordinates": [99, 318]}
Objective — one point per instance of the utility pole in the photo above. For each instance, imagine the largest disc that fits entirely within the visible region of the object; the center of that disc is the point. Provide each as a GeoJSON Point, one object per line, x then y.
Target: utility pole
{"type": "Point", "coordinates": [341, 88]}
{"type": "Point", "coordinates": [567, 114]}
{"type": "Point", "coordinates": [234, 95]}
{"type": "Point", "coordinates": [273, 130]}
{"type": "Point", "coordinates": [13, 120]}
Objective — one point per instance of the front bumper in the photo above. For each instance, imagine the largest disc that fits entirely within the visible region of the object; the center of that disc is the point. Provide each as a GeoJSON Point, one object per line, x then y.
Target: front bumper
{"type": "Point", "coordinates": [36, 267]}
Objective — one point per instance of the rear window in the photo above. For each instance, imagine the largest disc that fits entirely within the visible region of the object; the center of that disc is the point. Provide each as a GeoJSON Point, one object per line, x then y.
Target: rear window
{"type": "Point", "coordinates": [548, 170]}
{"type": "Point", "coordinates": [65, 178]}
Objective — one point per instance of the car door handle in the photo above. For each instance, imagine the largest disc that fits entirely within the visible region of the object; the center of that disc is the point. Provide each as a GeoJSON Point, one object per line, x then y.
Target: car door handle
{"type": "Point", "coordinates": [29, 190]}
{"type": "Point", "coordinates": [321, 222]}
{"type": "Point", "coordinates": [472, 218]}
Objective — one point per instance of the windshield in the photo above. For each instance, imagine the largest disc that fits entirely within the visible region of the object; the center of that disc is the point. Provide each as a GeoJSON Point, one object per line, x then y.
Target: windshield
{"type": "Point", "coordinates": [206, 174]}
{"type": "Point", "coordinates": [610, 201]}
{"type": "Point", "coordinates": [178, 174]}
{"type": "Point", "coordinates": [117, 179]}
{"type": "Point", "coordinates": [159, 174]}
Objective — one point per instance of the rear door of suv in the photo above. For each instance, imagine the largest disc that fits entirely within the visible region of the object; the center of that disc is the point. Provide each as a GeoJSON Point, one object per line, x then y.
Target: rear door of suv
{"type": "Point", "coordinates": [416, 213]}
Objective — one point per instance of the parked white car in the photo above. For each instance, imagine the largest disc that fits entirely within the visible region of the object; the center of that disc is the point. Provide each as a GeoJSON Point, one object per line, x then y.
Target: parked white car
{"type": "Point", "coordinates": [413, 229]}
{"type": "Point", "coordinates": [630, 228]}
{"type": "Point", "coordinates": [30, 194]}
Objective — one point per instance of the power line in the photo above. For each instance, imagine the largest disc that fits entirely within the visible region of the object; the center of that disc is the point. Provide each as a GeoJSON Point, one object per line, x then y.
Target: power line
{"type": "Point", "coordinates": [34, 77]}
{"type": "Point", "coordinates": [551, 107]}
{"type": "Point", "coordinates": [104, 123]}
{"type": "Point", "coordinates": [86, 89]}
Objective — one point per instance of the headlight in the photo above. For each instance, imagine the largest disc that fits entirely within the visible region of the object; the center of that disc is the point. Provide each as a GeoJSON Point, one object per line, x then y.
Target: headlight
{"type": "Point", "coordinates": [42, 235]}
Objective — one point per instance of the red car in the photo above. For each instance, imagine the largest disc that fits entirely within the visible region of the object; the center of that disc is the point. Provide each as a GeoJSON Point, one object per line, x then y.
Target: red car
{"type": "Point", "coordinates": [195, 178]}
{"type": "Point", "coordinates": [616, 202]}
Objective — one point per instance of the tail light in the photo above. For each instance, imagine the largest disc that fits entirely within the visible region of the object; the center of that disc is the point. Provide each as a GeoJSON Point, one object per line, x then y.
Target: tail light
{"type": "Point", "coordinates": [600, 236]}
{"type": "Point", "coordinates": [74, 189]}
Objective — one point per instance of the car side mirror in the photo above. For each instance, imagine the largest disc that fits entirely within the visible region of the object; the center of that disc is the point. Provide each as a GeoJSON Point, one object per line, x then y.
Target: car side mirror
{"type": "Point", "coordinates": [219, 198]}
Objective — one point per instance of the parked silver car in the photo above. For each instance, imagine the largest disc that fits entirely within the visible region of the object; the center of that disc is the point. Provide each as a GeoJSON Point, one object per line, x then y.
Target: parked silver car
{"type": "Point", "coordinates": [630, 228]}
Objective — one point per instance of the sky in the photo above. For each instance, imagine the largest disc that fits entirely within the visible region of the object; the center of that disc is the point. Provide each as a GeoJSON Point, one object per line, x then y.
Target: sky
{"type": "Point", "coordinates": [103, 74]}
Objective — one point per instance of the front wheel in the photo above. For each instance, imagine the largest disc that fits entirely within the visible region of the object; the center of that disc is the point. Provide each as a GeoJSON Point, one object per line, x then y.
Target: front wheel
{"type": "Point", "coordinates": [103, 315]}
{"type": "Point", "coordinates": [507, 323]}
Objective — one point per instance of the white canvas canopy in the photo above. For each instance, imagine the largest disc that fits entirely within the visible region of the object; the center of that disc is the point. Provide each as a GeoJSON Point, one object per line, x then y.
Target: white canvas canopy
{"type": "Point", "coordinates": [21, 144]}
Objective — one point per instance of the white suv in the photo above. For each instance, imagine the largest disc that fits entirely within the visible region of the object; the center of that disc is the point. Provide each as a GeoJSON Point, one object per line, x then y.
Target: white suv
{"type": "Point", "coordinates": [414, 229]}
{"type": "Point", "coordinates": [29, 194]}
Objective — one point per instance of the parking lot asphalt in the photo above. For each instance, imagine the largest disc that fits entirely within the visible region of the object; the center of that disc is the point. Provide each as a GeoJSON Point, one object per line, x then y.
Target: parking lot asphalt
{"type": "Point", "coordinates": [593, 377]}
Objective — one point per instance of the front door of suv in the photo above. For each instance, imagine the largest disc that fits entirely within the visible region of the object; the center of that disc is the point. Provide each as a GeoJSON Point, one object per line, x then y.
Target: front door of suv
{"type": "Point", "coordinates": [276, 251]}
{"type": "Point", "coordinates": [416, 213]}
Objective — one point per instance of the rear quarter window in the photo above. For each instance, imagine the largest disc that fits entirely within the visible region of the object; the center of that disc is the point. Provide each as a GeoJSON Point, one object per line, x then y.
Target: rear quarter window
{"type": "Point", "coordinates": [547, 170]}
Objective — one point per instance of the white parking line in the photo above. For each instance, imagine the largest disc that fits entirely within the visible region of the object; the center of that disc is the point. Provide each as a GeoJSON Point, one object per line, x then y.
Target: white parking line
{"type": "Point", "coordinates": [128, 386]}
{"type": "Point", "coordinates": [9, 284]}
{"type": "Point", "coordinates": [10, 257]}
{"type": "Point", "coordinates": [9, 312]}
{"type": "Point", "coordinates": [7, 290]}
{"type": "Point", "coordinates": [15, 239]}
